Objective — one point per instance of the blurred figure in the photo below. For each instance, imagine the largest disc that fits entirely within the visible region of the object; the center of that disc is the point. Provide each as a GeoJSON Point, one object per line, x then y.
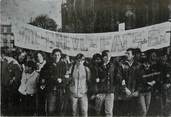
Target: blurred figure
{"type": "Point", "coordinates": [67, 102]}
{"type": "Point", "coordinates": [105, 82]}
{"type": "Point", "coordinates": [67, 61]}
{"type": "Point", "coordinates": [129, 73]}
{"type": "Point", "coordinates": [155, 66]}
{"type": "Point", "coordinates": [53, 74]}
{"type": "Point", "coordinates": [10, 81]}
{"type": "Point", "coordinates": [22, 58]}
{"type": "Point", "coordinates": [166, 82]}
{"type": "Point", "coordinates": [40, 58]}
{"type": "Point", "coordinates": [137, 54]}
{"type": "Point", "coordinates": [144, 85]}
{"type": "Point", "coordinates": [168, 87]}
{"type": "Point", "coordinates": [28, 89]}
{"type": "Point", "coordinates": [94, 68]}
{"type": "Point", "coordinates": [79, 76]}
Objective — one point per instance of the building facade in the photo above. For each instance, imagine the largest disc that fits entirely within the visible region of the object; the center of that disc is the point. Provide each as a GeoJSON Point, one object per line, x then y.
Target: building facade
{"type": "Point", "coordinates": [6, 35]}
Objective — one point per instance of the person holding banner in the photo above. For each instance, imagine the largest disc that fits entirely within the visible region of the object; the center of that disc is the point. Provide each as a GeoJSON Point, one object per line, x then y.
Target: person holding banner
{"type": "Point", "coordinates": [144, 85]}
{"type": "Point", "coordinates": [79, 80]}
{"type": "Point", "coordinates": [40, 58]}
{"type": "Point", "coordinates": [129, 73]}
{"type": "Point", "coordinates": [105, 82]}
{"type": "Point", "coordinates": [155, 67]}
{"type": "Point", "coordinates": [94, 68]}
{"type": "Point", "coordinates": [53, 74]}
{"type": "Point", "coordinates": [28, 89]}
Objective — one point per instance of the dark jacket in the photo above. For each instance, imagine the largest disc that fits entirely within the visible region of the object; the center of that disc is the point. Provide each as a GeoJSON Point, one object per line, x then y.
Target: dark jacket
{"type": "Point", "coordinates": [130, 74]}
{"type": "Point", "coordinates": [146, 76]}
{"type": "Point", "coordinates": [94, 75]}
{"type": "Point", "coordinates": [166, 73]}
{"type": "Point", "coordinates": [51, 72]}
{"type": "Point", "coordinates": [10, 74]}
{"type": "Point", "coordinates": [107, 75]}
{"type": "Point", "coordinates": [156, 69]}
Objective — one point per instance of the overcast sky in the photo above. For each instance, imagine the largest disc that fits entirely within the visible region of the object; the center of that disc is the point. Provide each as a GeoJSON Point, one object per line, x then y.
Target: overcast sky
{"type": "Point", "coordinates": [24, 10]}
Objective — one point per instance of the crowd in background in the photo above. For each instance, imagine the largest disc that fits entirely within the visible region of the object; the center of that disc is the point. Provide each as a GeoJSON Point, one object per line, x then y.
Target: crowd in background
{"type": "Point", "coordinates": [39, 83]}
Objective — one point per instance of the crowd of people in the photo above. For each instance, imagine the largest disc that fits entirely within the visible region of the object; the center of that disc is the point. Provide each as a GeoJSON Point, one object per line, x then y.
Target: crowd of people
{"type": "Point", "coordinates": [43, 84]}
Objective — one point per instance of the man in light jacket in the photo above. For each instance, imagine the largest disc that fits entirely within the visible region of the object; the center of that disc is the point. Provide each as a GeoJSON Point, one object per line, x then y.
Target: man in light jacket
{"type": "Point", "coordinates": [79, 79]}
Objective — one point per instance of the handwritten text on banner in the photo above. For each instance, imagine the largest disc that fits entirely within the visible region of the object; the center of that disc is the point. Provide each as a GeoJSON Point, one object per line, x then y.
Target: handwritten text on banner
{"type": "Point", "coordinates": [31, 37]}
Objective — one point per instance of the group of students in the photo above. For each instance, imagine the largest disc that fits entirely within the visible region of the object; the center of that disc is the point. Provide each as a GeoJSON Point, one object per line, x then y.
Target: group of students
{"type": "Point", "coordinates": [37, 86]}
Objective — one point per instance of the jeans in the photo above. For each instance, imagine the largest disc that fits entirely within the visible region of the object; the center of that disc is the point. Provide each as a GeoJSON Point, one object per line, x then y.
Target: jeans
{"type": "Point", "coordinates": [41, 102]}
{"type": "Point", "coordinates": [55, 103]}
{"type": "Point", "coordinates": [83, 101]}
{"type": "Point", "coordinates": [108, 100]}
{"type": "Point", "coordinates": [27, 105]}
{"type": "Point", "coordinates": [144, 101]}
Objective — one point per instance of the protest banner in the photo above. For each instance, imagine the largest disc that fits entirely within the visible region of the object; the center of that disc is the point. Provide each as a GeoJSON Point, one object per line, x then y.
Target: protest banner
{"type": "Point", "coordinates": [150, 37]}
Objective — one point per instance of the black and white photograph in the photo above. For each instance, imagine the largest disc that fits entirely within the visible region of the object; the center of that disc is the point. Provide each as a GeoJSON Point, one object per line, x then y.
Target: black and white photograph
{"type": "Point", "coordinates": [84, 58]}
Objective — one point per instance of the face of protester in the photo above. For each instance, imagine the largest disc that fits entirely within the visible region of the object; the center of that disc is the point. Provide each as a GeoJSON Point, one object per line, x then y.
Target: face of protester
{"type": "Point", "coordinates": [164, 58]}
{"type": "Point", "coordinates": [40, 58]}
{"type": "Point", "coordinates": [98, 60]}
{"type": "Point", "coordinates": [28, 69]}
{"type": "Point", "coordinates": [138, 56]}
{"type": "Point", "coordinates": [2, 56]}
{"type": "Point", "coordinates": [130, 56]}
{"type": "Point", "coordinates": [109, 56]}
{"type": "Point", "coordinates": [57, 56]}
{"type": "Point", "coordinates": [80, 61]}
{"type": "Point", "coordinates": [153, 56]}
{"type": "Point", "coordinates": [21, 57]}
{"type": "Point", "coordinates": [105, 59]}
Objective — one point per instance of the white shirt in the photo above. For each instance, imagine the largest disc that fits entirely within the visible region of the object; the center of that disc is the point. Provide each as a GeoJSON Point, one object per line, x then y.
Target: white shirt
{"type": "Point", "coordinates": [40, 65]}
{"type": "Point", "coordinates": [28, 83]}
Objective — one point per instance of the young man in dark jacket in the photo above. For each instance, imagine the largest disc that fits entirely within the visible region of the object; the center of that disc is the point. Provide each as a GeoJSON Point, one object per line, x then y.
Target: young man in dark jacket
{"type": "Point", "coordinates": [155, 66]}
{"type": "Point", "coordinates": [144, 85]}
{"type": "Point", "coordinates": [105, 85]}
{"type": "Point", "coordinates": [53, 74]}
{"type": "Point", "coordinates": [10, 81]}
{"type": "Point", "coordinates": [129, 74]}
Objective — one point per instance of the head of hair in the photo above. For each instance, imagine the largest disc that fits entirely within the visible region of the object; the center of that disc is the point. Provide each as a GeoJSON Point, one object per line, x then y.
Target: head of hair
{"type": "Point", "coordinates": [79, 56]}
{"type": "Point", "coordinates": [4, 51]}
{"type": "Point", "coordinates": [144, 57]}
{"type": "Point", "coordinates": [31, 64]}
{"type": "Point", "coordinates": [40, 52]}
{"type": "Point", "coordinates": [104, 52]}
{"type": "Point", "coordinates": [95, 56]}
{"type": "Point", "coordinates": [132, 50]}
{"type": "Point", "coordinates": [56, 50]}
{"type": "Point", "coordinates": [137, 50]}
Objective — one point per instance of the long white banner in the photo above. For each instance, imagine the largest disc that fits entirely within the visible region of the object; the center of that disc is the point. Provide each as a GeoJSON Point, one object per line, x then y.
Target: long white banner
{"type": "Point", "coordinates": [150, 37]}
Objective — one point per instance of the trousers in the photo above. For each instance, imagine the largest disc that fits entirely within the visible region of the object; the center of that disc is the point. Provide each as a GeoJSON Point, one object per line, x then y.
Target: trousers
{"type": "Point", "coordinates": [81, 102]}
{"type": "Point", "coordinates": [108, 100]}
